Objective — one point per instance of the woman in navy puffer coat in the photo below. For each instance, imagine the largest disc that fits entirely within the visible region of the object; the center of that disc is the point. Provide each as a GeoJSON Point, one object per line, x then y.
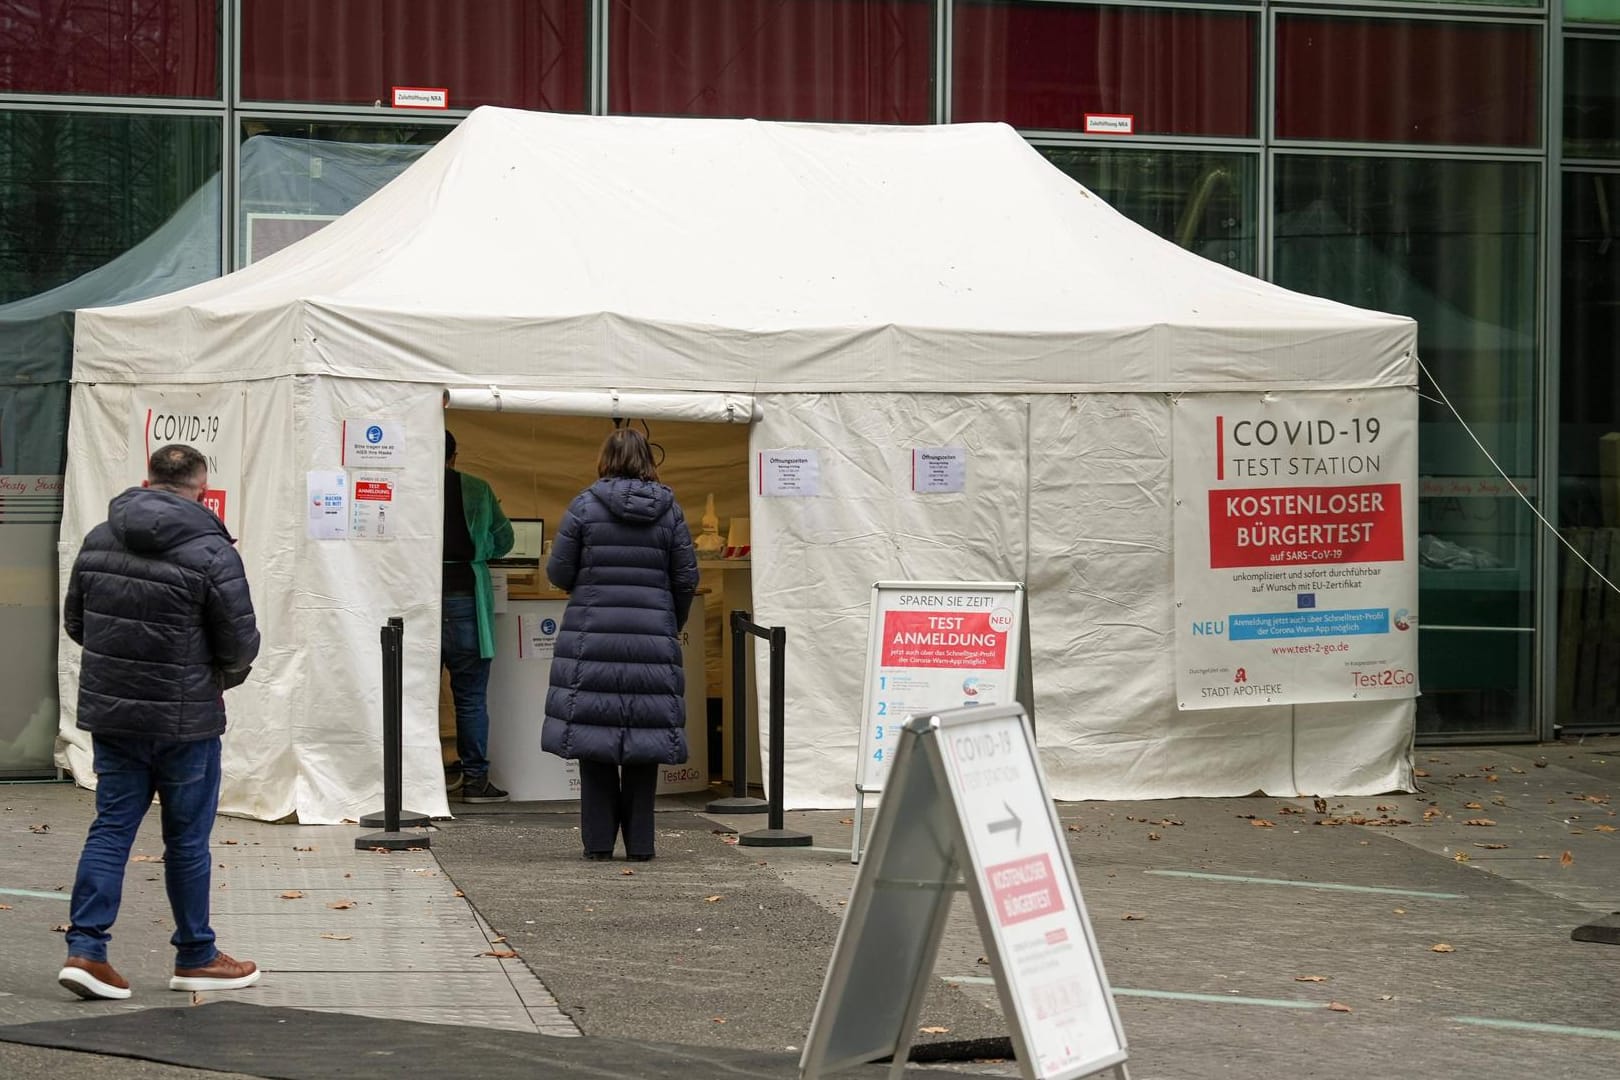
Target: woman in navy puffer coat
{"type": "Point", "coordinates": [617, 701]}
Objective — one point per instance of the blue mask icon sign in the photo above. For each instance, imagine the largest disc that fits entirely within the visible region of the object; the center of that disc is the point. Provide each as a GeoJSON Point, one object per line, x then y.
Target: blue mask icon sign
{"type": "Point", "coordinates": [374, 434]}
{"type": "Point", "coordinates": [548, 626]}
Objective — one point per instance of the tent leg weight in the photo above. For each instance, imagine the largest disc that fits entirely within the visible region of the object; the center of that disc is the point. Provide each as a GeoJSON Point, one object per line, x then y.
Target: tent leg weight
{"type": "Point", "coordinates": [774, 838]}
{"type": "Point", "coordinates": [1605, 931]}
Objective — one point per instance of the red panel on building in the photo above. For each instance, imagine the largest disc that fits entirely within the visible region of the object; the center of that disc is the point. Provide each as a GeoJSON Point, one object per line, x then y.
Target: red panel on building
{"type": "Point", "coordinates": [1045, 66]}
{"type": "Point", "coordinates": [857, 61]}
{"type": "Point", "coordinates": [121, 48]}
{"type": "Point", "coordinates": [524, 53]}
{"type": "Point", "coordinates": [1392, 80]}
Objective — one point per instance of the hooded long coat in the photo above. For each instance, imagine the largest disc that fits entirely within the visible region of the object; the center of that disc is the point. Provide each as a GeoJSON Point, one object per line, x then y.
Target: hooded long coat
{"type": "Point", "coordinates": [624, 555]}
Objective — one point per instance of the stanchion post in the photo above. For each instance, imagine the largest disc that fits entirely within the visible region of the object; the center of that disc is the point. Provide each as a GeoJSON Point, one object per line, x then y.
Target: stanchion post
{"type": "Point", "coordinates": [739, 802]}
{"type": "Point", "coordinates": [774, 835]}
{"type": "Point", "coordinates": [393, 680]}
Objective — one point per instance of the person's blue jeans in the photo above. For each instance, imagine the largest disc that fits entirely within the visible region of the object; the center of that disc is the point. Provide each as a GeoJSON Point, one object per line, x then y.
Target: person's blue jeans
{"type": "Point", "coordinates": [129, 770]}
{"type": "Point", "coordinates": [469, 682]}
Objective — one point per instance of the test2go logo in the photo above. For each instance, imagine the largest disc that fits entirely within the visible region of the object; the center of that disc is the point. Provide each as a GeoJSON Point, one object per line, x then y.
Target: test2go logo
{"type": "Point", "coordinates": [1386, 677]}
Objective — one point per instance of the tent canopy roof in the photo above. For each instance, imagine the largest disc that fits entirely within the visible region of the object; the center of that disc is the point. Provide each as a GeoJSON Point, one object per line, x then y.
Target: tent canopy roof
{"type": "Point", "coordinates": [551, 250]}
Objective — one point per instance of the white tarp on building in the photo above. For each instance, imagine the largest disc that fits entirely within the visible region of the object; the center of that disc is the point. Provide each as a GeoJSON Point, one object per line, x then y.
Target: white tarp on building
{"type": "Point", "coordinates": [874, 290]}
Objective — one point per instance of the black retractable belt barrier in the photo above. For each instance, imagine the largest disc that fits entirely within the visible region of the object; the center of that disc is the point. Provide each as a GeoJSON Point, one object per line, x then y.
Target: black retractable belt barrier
{"type": "Point", "coordinates": [393, 671]}
{"type": "Point", "coordinates": [739, 802]}
{"type": "Point", "coordinates": [774, 835]}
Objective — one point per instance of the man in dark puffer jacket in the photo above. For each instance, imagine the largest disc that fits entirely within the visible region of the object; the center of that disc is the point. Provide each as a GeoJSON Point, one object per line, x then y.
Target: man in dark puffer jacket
{"type": "Point", "coordinates": [159, 600]}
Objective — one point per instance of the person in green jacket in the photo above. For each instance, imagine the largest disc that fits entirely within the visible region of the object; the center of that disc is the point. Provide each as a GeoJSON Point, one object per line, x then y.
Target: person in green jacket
{"type": "Point", "coordinates": [475, 531]}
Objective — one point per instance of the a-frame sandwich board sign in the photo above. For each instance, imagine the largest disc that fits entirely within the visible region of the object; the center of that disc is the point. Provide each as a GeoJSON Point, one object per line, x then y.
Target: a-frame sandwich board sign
{"type": "Point", "coordinates": [966, 806]}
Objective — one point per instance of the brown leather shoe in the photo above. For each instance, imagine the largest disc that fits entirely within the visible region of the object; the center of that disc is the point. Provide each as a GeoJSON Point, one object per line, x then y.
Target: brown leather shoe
{"type": "Point", "coordinates": [223, 974]}
{"type": "Point", "coordinates": [92, 979]}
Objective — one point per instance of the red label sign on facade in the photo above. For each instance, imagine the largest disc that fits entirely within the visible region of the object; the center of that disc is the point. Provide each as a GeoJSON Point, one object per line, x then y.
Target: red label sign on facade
{"type": "Point", "coordinates": [373, 491]}
{"type": "Point", "coordinates": [1284, 526]}
{"type": "Point", "coordinates": [214, 499]}
{"type": "Point", "coordinates": [942, 639]}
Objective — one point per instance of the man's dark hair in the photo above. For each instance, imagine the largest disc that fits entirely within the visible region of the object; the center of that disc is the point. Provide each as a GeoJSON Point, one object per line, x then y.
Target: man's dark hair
{"type": "Point", "coordinates": [449, 446]}
{"type": "Point", "coordinates": [175, 467]}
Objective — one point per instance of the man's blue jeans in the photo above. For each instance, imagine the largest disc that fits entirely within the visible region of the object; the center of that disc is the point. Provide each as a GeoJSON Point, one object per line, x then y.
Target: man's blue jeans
{"type": "Point", "coordinates": [129, 770]}
{"type": "Point", "coordinates": [469, 682]}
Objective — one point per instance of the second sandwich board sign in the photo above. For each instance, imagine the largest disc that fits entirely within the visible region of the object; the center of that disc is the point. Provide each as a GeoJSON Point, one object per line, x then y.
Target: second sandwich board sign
{"type": "Point", "coordinates": [932, 645]}
{"type": "Point", "coordinates": [967, 806]}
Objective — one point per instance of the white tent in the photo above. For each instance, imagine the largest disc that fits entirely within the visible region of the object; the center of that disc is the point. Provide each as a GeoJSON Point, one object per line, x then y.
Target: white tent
{"type": "Point", "coordinates": [870, 289]}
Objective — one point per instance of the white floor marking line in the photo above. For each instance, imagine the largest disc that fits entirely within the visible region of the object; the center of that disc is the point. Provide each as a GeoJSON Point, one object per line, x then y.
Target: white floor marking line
{"type": "Point", "coordinates": [1543, 1029]}
{"type": "Point", "coordinates": [37, 894]}
{"type": "Point", "coordinates": [1171, 995]}
{"type": "Point", "coordinates": [1331, 885]}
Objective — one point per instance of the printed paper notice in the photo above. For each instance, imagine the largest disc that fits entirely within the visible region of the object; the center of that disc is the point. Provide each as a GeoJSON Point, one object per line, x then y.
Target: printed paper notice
{"type": "Point", "coordinates": [372, 513]}
{"type": "Point", "coordinates": [938, 469]}
{"type": "Point", "coordinates": [790, 472]}
{"type": "Point", "coordinates": [327, 504]}
{"type": "Point", "coordinates": [373, 444]}
{"type": "Point", "coordinates": [537, 637]}
{"type": "Point", "coordinates": [498, 586]}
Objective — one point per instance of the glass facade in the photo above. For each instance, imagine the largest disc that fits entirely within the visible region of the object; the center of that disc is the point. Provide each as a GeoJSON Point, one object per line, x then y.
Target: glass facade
{"type": "Point", "coordinates": [1395, 156]}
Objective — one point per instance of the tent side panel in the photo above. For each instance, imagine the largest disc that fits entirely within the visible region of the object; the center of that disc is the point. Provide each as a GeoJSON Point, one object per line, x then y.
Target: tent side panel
{"type": "Point", "coordinates": [345, 590]}
{"type": "Point", "coordinates": [106, 454]}
{"type": "Point", "coordinates": [816, 557]}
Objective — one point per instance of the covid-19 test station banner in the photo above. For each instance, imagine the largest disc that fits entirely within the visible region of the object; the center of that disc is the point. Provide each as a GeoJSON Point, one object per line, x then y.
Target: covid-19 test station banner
{"type": "Point", "coordinates": [1295, 547]}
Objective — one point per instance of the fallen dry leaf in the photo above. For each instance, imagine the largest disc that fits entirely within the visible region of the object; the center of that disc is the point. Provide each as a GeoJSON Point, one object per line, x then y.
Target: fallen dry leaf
{"type": "Point", "coordinates": [934, 1029]}
{"type": "Point", "coordinates": [983, 960]}
{"type": "Point", "coordinates": [846, 821]}
{"type": "Point", "coordinates": [1493, 778]}
{"type": "Point", "coordinates": [343, 905]}
{"type": "Point", "coordinates": [1473, 806]}
{"type": "Point", "coordinates": [1310, 978]}
{"type": "Point", "coordinates": [718, 1019]}
{"type": "Point", "coordinates": [1381, 808]}
{"type": "Point", "coordinates": [497, 939]}
{"type": "Point", "coordinates": [228, 843]}
{"type": "Point", "coordinates": [1319, 804]}
{"type": "Point", "coordinates": [1442, 947]}
{"type": "Point", "coordinates": [1420, 772]}
{"type": "Point", "coordinates": [39, 828]}
{"type": "Point", "coordinates": [1491, 847]}
{"type": "Point", "coordinates": [1432, 812]}
{"type": "Point", "coordinates": [292, 894]}
{"type": "Point", "coordinates": [1282, 810]}
{"type": "Point", "coordinates": [458, 891]}
{"type": "Point", "coordinates": [1516, 769]}
{"type": "Point", "coordinates": [5, 907]}
{"type": "Point", "coordinates": [337, 937]}
{"type": "Point", "coordinates": [60, 928]}
{"type": "Point", "coordinates": [1479, 821]}
{"type": "Point", "coordinates": [1073, 828]}
{"type": "Point", "coordinates": [716, 898]}
{"type": "Point", "coordinates": [310, 848]}
{"type": "Point", "coordinates": [724, 840]}
{"type": "Point", "coordinates": [1386, 997]}
{"type": "Point", "coordinates": [1400, 911]}
{"type": "Point", "coordinates": [147, 858]}
{"type": "Point", "coordinates": [1262, 823]}
{"type": "Point", "coordinates": [1338, 1006]}
{"type": "Point", "coordinates": [1603, 828]}
{"type": "Point", "coordinates": [196, 998]}
{"type": "Point", "coordinates": [1129, 917]}
{"type": "Point", "coordinates": [1461, 856]}
{"type": "Point", "coordinates": [501, 954]}
{"type": "Point", "coordinates": [1543, 856]}
{"type": "Point", "coordinates": [1567, 859]}
{"type": "Point", "coordinates": [1154, 836]}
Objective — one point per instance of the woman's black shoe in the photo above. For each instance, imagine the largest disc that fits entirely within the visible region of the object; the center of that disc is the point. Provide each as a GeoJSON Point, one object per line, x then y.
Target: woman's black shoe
{"type": "Point", "coordinates": [639, 858]}
{"type": "Point", "coordinates": [599, 856]}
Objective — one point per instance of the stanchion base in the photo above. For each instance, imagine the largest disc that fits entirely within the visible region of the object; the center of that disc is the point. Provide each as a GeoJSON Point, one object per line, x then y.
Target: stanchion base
{"type": "Point", "coordinates": [1606, 930]}
{"type": "Point", "coordinates": [392, 841]}
{"type": "Point", "coordinates": [408, 819]}
{"type": "Point", "coordinates": [738, 804]}
{"type": "Point", "coordinates": [775, 838]}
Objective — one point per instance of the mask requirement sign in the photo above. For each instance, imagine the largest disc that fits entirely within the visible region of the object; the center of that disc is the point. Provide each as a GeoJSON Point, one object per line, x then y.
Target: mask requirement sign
{"type": "Point", "coordinates": [1295, 547]}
